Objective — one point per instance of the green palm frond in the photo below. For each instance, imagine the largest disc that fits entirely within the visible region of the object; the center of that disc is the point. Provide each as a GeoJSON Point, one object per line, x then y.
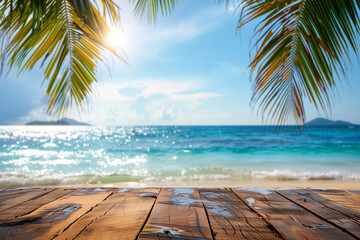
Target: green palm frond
{"type": "Point", "coordinates": [151, 8]}
{"type": "Point", "coordinates": [301, 49]}
{"type": "Point", "coordinates": [67, 36]}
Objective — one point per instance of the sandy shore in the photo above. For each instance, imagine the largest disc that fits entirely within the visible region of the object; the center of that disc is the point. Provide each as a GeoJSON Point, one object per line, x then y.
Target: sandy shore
{"type": "Point", "coordinates": [315, 184]}
{"type": "Point", "coordinates": [217, 184]}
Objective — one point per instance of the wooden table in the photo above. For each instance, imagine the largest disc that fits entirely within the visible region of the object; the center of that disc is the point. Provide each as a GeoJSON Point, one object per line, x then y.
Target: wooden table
{"type": "Point", "coordinates": [178, 213]}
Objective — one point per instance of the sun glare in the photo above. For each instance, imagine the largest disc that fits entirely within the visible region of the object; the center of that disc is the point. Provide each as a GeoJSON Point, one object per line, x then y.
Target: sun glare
{"type": "Point", "coordinates": [116, 39]}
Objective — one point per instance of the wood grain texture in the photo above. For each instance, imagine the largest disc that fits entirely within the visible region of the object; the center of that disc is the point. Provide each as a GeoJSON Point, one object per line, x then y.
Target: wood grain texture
{"type": "Point", "coordinates": [339, 216]}
{"type": "Point", "coordinates": [11, 197]}
{"type": "Point", "coordinates": [355, 191]}
{"type": "Point", "coordinates": [349, 199]}
{"type": "Point", "coordinates": [230, 218]}
{"type": "Point", "coordinates": [178, 213]}
{"type": "Point", "coordinates": [120, 216]}
{"type": "Point", "coordinates": [290, 220]}
{"type": "Point", "coordinates": [51, 219]}
{"type": "Point", "coordinates": [31, 205]}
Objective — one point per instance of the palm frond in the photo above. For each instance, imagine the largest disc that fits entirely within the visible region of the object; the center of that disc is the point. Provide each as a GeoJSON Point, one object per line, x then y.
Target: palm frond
{"type": "Point", "coordinates": [302, 46]}
{"type": "Point", "coordinates": [70, 42]}
{"type": "Point", "coordinates": [112, 10]}
{"type": "Point", "coordinates": [151, 8]}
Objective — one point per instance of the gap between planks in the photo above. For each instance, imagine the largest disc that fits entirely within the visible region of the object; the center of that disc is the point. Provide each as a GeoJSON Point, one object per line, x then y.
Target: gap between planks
{"type": "Point", "coordinates": [207, 215]}
{"type": "Point", "coordinates": [148, 216]}
{"type": "Point", "coordinates": [271, 226]}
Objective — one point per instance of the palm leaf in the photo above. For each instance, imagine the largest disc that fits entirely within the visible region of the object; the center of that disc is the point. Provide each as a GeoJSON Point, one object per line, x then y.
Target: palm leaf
{"type": "Point", "coordinates": [151, 8]}
{"type": "Point", "coordinates": [301, 46]}
{"type": "Point", "coordinates": [68, 37]}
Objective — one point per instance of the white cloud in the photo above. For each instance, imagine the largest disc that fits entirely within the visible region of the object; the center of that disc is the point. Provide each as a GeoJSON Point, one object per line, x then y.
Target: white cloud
{"type": "Point", "coordinates": [38, 113]}
{"type": "Point", "coordinates": [231, 9]}
{"type": "Point", "coordinates": [110, 91]}
{"type": "Point", "coordinates": [165, 87]}
{"type": "Point", "coordinates": [166, 113]}
{"type": "Point", "coordinates": [145, 101]}
{"type": "Point", "coordinates": [194, 99]}
{"type": "Point", "coordinates": [154, 101]}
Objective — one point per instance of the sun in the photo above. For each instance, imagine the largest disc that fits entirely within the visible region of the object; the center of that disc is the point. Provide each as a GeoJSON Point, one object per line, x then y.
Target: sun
{"type": "Point", "coordinates": [116, 39]}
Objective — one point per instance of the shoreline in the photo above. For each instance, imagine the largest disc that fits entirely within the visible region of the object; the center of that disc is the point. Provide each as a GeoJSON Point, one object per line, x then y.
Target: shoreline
{"type": "Point", "coordinates": [323, 184]}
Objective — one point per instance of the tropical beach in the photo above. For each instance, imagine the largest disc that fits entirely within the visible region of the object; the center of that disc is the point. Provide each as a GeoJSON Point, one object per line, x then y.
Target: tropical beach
{"type": "Point", "coordinates": [171, 119]}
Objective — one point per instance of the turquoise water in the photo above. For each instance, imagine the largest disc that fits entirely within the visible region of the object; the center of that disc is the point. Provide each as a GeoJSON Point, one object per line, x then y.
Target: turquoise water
{"type": "Point", "coordinates": [118, 155]}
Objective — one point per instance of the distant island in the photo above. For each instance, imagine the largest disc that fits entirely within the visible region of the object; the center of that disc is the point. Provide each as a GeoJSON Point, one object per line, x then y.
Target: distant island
{"type": "Point", "coordinates": [62, 121]}
{"type": "Point", "coordinates": [321, 122]}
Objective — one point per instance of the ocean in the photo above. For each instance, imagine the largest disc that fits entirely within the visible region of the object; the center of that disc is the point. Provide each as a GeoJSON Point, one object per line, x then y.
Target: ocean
{"type": "Point", "coordinates": [173, 155]}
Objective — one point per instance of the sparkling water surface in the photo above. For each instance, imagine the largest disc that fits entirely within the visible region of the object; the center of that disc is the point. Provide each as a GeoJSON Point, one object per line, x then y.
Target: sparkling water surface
{"type": "Point", "coordinates": [55, 155]}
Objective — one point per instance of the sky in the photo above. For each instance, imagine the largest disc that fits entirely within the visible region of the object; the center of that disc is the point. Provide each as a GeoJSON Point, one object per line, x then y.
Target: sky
{"type": "Point", "coordinates": [190, 68]}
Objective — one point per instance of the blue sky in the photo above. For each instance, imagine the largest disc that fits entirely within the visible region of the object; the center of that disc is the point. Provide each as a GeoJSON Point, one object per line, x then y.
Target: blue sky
{"type": "Point", "coordinates": [188, 69]}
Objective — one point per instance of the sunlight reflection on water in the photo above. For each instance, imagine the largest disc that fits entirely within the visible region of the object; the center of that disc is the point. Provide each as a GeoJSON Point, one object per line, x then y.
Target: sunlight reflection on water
{"type": "Point", "coordinates": [68, 154]}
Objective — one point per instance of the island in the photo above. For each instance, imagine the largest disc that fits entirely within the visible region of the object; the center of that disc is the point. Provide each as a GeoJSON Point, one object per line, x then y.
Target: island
{"type": "Point", "coordinates": [62, 121]}
{"type": "Point", "coordinates": [323, 122]}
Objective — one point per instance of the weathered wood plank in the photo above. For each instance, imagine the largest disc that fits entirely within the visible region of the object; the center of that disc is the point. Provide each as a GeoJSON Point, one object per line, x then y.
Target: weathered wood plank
{"type": "Point", "coordinates": [11, 193]}
{"type": "Point", "coordinates": [349, 199]}
{"type": "Point", "coordinates": [290, 220]}
{"type": "Point", "coordinates": [354, 199]}
{"type": "Point", "coordinates": [54, 217]}
{"type": "Point", "coordinates": [30, 205]}
{"type": "Point", "coordinates": [230, 218]}
{"type": "Point", "coordinates": [355, 191]}
{"type": "Point", "coordinates": [343, 218]}
{"type": "Point", "coordinates": [12, 197]}
{"type": "Point", "coordinates": [120, 216]}
{"type": "Point", "coordinates": [178, 213]}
